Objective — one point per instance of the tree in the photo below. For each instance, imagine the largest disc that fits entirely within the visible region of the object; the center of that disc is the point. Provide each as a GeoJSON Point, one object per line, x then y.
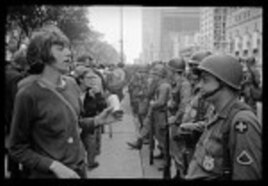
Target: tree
{"type": "Point", "coordinates": [71, 20]}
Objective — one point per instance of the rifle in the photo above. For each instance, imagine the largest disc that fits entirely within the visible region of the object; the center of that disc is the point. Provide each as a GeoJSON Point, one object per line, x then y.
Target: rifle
{"type": "Point", "coordinates": [166, 172]}
{"type": "Point", "coordinates": [151, 136]}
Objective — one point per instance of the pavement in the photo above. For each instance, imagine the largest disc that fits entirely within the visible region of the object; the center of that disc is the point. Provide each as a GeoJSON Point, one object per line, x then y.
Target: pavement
{"type": "Point", "coordinates": [117, 159]}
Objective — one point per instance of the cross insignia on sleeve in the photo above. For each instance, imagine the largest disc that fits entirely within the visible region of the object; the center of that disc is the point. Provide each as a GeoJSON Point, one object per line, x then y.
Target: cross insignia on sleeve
{"type": "Point", "coordinates": [241, 127]}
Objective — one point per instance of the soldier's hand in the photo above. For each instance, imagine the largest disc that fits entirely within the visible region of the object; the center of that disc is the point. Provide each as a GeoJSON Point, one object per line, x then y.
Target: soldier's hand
{"type": "Point", "coordinates": [171, 120]}
{"type": "Point", "coordinates": [190, 126]}
{"type": "Point", "coordinates": [61, 171]}
{"type": "Point", "coordinates": [108, 116]}
{"type": "Point", "coordinates": [170, 104]}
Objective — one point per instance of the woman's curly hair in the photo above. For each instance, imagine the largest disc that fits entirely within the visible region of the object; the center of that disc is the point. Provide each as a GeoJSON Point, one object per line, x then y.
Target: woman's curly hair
{"type": "Point", "coordinates": [39, 49]}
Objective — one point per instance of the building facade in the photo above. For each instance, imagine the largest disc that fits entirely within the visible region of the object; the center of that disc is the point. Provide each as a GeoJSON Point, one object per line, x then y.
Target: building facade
{"type": "Point", "coordinates": [151, 31]}
{"type": "Point", "coordinates": [167, 30]}
{"type": "Point", "coordinates": [244, 32]}
{"type": "Point", "coordinates": [213, 28]}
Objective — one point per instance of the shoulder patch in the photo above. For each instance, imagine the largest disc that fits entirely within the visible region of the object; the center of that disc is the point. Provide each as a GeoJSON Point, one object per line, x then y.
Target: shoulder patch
{"type": "Point", "coordinates": [244, 158]}
{"type": "Point", "coordinates": [241, 126]}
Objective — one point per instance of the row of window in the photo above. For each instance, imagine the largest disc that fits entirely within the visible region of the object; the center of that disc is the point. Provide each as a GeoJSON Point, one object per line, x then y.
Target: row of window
{"type": "Point", "coordinates": [243, 15]}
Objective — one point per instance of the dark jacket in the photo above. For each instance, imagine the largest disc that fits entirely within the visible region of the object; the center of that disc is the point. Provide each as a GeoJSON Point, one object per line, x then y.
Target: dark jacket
{"type": "Point", "coordinates": [44, 129]}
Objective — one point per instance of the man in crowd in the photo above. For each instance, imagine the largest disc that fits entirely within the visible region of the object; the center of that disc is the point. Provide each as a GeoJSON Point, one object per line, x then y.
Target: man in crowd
{"type": "Point", "coordinates": [116, 80]}
{"type": "Point", "coordinates": [181, 91]}
{"type": "Point", "coordinates": [92, 97]}
{"type": "Point", "coordinates": [195, 114]}
{"type": "Point", "coordinates": [158, 95]}
{"type": "Point", "coordinates": [45, 125]}
{"type": "Point", "coordinates": [14, 72]}
{"type": "Point", "coordinates": [230, 146]}
{"type": "Point", "coordinates": [251, 88]}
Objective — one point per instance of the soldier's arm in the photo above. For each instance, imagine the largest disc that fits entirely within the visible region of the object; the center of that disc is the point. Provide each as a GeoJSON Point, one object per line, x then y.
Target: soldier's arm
{"type": "Point", "coordinates": [185, 95]}
{"type": "Point", "coordinates": [164, 91]}
{"type": "Point", "coordinates": [246, 147]}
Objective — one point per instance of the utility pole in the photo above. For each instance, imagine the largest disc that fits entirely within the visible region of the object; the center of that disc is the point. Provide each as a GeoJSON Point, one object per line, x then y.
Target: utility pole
{"type": "Point", "coordinates": [122, 36]}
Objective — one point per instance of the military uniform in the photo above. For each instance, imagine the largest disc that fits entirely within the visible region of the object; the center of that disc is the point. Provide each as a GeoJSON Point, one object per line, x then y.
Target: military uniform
{"type": "Point", "coordinates": [230, 147]}
{"type": "Point", "coordinates": [159, 111]}
{"type": "Point", "coordinates": [251, 90]}
{"type": "Point", "coordinates": [134, 90]}
{"type": "Point", "coordinates": [181, 97]}
{"type": "Point", "coordinates": [196, 113]}
{"type": "Point", "coordinates": [142, 97]}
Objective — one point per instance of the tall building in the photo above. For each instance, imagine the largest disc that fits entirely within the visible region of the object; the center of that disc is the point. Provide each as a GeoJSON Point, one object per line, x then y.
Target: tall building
{"type": "Point", "coordinates": [244, 32]}
{"type": "Point", "coordinates": [150, 34]}
{"type": "Point", "coordinates": [165, 28]}
{"type": "Point", "coordinates": [213, 28]}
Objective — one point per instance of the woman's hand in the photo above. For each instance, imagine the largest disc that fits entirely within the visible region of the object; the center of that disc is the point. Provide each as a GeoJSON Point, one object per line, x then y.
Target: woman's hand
{"type": "Point", "coordinates": [61, 171]}
{"type": "Point", "coordinates": [108, 116]}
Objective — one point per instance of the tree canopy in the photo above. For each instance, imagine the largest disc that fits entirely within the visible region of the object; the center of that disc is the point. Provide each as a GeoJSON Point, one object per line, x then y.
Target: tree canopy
{"type": "Point", "coordinates": [72, 20]}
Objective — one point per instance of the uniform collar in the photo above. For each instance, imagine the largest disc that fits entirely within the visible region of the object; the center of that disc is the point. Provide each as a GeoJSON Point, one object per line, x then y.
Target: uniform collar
{"type": "Point", "coordinates": [223, 114]}
{"type": "Point", "coordinates": [225, 110]}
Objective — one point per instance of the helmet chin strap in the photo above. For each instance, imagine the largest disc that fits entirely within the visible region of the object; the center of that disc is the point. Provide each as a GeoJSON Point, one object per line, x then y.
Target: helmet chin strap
{"type": "Point", "coordinates": [213, 92]}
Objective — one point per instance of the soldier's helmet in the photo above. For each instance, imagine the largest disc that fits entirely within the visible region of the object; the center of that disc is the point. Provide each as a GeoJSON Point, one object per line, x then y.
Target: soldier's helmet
{"type": "Point", "coordinates": [224, 67]}
{"type": "Point", "coordinates": [158, 70]}
{"type": "Point", "coordinates": [197, 57]}
{"type": "Point", "coordinates": [176, 64]}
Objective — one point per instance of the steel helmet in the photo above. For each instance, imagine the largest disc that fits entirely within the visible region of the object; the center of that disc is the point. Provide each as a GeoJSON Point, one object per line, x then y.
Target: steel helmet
{"type": "Point", "coordinates": [177, 64]}
{"type": "Point", "coordinates": [197, 57]}
{"type": "Point", "coordinates": [224, 67]}
{"type": "Point", "coordinates": [158, 70]}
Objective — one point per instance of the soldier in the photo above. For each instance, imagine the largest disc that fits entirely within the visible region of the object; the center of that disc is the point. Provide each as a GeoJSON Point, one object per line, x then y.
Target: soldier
{"type": "Point", "coordinates": [230, 146]}
{"type": "Point", "coordinates": [142, 98]}
{"type": "Point", "coordinates": [181, 92]}
{"type": "Point", "coordinates": [160, 90]}
{"type": "Point", "coordinates": [196, 111]}
{"type": "Point", "coordinates": [133, 92]}
{"type": "Point", "coordinates": [159, 106]}
{"type": "Point", "coordinates": [251, 89]}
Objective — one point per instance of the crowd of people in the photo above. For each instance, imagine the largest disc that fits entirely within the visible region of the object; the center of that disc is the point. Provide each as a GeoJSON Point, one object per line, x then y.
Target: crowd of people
{"type": "Point", "coordinates": [203, 117]}
{"type": "Point", "coordinates": [202, 112]}
{"type": "Point", "coordinates": [55, 111]}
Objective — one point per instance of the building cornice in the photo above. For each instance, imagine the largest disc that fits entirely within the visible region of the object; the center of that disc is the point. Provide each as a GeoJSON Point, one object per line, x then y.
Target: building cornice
{"type": "Point", "coordinates": [242, 22]}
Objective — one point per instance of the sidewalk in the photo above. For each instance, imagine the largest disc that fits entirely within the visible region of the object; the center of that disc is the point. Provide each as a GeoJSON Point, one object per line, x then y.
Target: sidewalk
{"type": "Point", "coordinates": [117, 160]}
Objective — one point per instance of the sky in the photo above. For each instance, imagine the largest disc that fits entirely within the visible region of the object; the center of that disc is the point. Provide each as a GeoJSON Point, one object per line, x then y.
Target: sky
{"type": "Point", "coordinates": [106, 19]}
